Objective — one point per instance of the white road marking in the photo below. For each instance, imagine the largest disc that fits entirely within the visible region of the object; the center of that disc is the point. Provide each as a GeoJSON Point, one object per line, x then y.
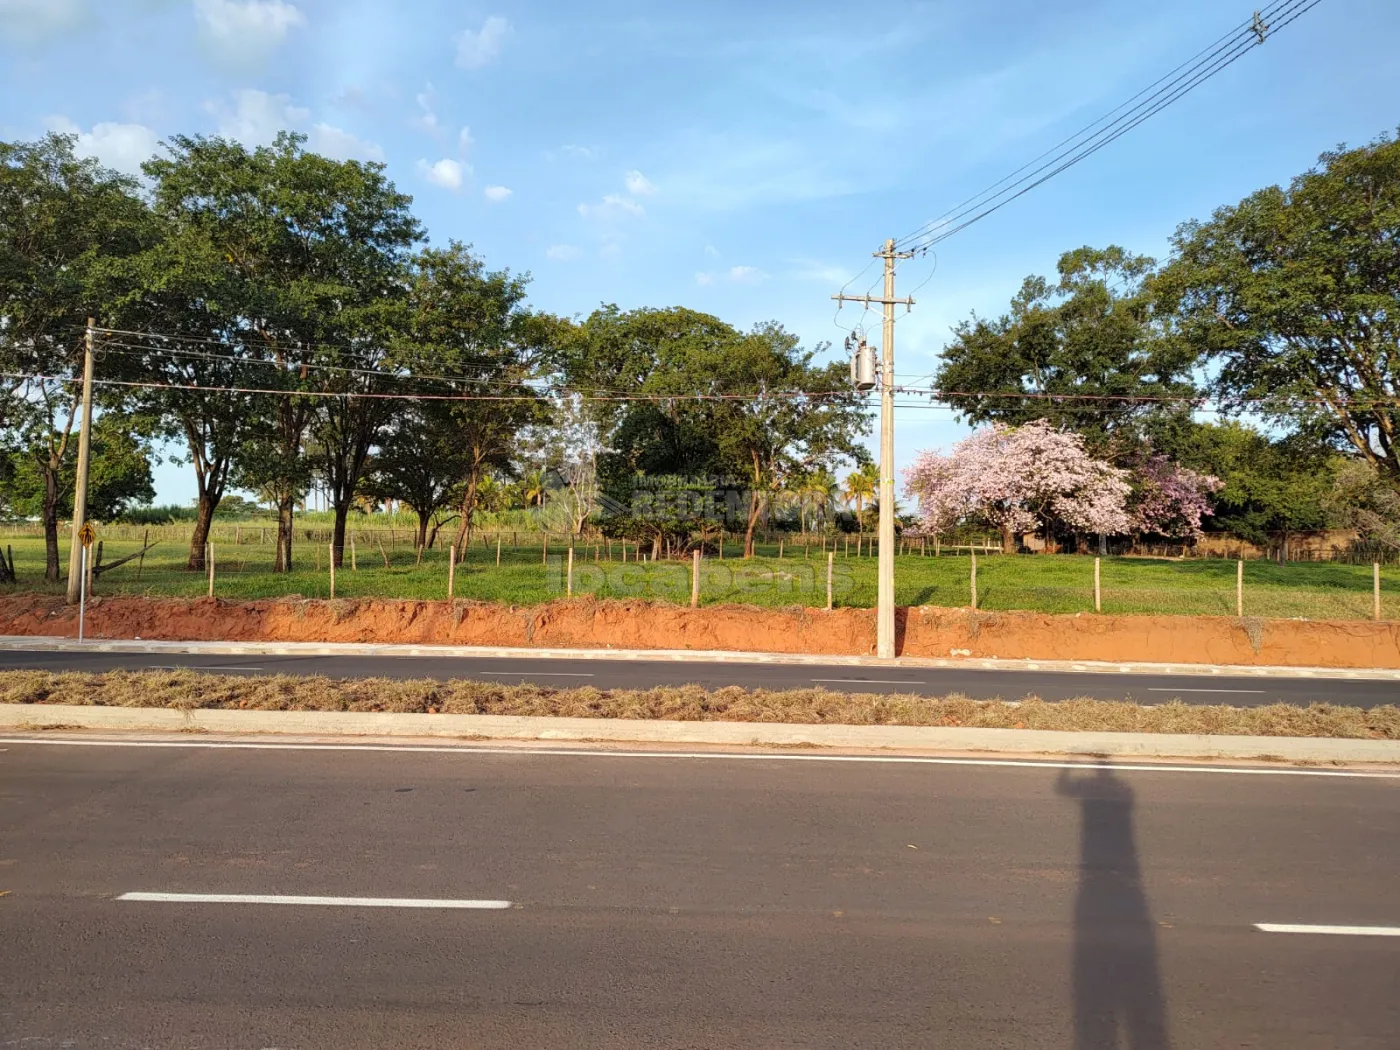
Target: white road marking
{"type": "Point", "coordinates": [729, 756]}
{"type": "Point", "coordinates": [870, 681]}
{"type": "Point", "coordinates": [1334, 931]}
{"type": "Point", "coordinates": [333, 902]}
{"type": "Point", "coordinates": [1156, 689]}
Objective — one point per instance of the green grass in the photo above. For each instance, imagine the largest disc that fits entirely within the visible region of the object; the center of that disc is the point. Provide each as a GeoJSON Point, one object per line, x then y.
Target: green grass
{"type": "Point", "coordinates": [1043, 583]}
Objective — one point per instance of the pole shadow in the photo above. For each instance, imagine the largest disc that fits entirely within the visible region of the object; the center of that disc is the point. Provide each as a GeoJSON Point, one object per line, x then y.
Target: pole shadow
{"type": "Point", "coordinates": [1118, 998]}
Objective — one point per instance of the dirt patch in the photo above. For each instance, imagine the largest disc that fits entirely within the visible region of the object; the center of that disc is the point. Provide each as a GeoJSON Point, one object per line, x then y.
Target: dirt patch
{"type": "Point", "coordinates": [589, 624]}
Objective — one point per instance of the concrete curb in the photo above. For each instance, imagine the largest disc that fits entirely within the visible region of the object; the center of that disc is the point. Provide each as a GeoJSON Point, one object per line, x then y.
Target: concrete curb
{"type": "Point", "coordinates": [508, 727]}
{"type": "Point", "coordinates": [22, 643]}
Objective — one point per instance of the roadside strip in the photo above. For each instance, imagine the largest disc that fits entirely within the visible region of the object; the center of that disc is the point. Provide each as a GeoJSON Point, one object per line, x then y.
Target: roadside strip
{"type": "Point", "coordinates": [744, 734]}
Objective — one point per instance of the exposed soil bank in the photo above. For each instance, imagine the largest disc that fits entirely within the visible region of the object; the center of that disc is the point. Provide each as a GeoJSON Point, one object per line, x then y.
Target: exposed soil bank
{"type": "Point", "coordinates": [589, 624]}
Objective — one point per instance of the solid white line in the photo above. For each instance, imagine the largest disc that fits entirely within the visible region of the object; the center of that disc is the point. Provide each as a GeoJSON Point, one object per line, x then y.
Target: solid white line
{"type": "Point", "coordinates": [333, 902]}
{"type": "Point", "coordinates": [1156, 689]}
{"type": "Point", "coordinates": [1335, 931]}
{"type": "Point", "coordinates": [870, 681]}
{"type": "Point", "coordinates": [729, 756]}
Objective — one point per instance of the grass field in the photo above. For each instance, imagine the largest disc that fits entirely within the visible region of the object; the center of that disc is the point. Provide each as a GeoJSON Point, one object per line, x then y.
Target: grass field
{"type": "Point", "coordinates": [1044, 583]}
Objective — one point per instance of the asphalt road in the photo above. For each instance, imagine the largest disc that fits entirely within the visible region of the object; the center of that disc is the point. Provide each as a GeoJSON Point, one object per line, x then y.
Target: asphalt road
{"type": "Point", "coordinates": [674, 903]}
{"type": "Point", "coordinates": [1240, 690]}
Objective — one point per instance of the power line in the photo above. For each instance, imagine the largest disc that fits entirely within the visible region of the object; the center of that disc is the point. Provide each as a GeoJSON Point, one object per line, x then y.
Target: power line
{"type": "Point", "coordinates": [1203, 402]}
{"type": "Point", "coordinates": [1108, 128]}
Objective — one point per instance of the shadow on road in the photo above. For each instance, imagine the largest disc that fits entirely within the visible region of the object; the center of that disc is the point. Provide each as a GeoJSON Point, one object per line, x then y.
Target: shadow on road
{"type": "Point", "coordinates": [1118, 1000]}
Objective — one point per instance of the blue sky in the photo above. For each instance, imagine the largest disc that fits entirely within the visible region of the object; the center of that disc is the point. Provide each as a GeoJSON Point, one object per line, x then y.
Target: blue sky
{"type": "Point", "coordinates": [738, 158]}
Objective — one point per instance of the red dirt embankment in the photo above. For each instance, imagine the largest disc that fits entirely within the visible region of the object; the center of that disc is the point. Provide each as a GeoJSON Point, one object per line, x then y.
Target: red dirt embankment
{"type": "Point", "coordinates": [589, 624]}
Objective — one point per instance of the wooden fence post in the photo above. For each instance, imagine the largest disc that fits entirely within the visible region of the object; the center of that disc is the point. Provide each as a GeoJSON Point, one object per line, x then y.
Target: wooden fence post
{"type": "Point", "coordinates": [780, 547]}
{"type": "Point", "coordinates": [974, 581]}
{"type": "Point", "coordinates": [451, 572]}
{"type": "Point", "coordinates": [1098, 591]}
{"type": "Point", "coordinates": [569, 580]}
{"type": "Point", "coordinates": [830, 572]}
{"type": "Point", "coordinates": [695, 579]}
{"type": "Point", "coordinates": [383, 553]}
{"type": "Point", "coordinates": [544, 558]}
{"type": "Point", "coordinates": [1239, 588]}
{"type": "Point", "coordinates": [140, 562]}
{"type": "Point", "coordinates": [332, 552]}
{"type": "Point", "coordinates": [498, 550]}
{"type": "Point", "coordinates": [209, 557]}
{"type": "Point", "coordinates": [354, 566]}
{"type": "Point", "coordinates": [1376, 590]}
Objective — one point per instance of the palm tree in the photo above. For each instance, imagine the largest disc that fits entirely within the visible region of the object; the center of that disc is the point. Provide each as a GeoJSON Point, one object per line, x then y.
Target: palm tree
{"type": "Point", "coordinates": [532, 487]}
{"type": "Point", "coordinates": [860, 490]}
{"type": "Point", "coordinates": [817, 493]}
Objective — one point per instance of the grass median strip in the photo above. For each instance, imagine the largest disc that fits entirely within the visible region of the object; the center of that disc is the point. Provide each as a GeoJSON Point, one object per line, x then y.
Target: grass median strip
{"type": "Point", "coordinates": [190, 690]}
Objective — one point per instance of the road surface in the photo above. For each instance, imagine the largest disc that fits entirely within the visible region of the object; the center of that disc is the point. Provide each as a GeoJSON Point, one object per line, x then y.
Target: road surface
{"type": "Point", "coordinates": [644, 901]}
{"type": "Point", "coordinates": [1239, 690]}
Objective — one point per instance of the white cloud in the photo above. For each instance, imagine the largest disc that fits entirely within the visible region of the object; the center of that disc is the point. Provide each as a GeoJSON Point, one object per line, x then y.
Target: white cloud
{"type": "Point", "coordinates": [35, 19]}
{"type": "Point", "coordinates": [712, 251]}
{"type": "Point", "coordinates": [613, 205]}
{"type": "Point", "coordinates": [464, 140]}
{"type": "Point", "coordinates": [427, 118]}
{"type": "Point", "coordinates": [246, 29]}
{"type": "Point", "coordinates": [639, 185]}
{"type": "Point", "coordinates": [446, 173]}
{"type": "Point", "coordinates": [497, 194]}
{"type": "Point", "coordinates": [814, 270]}
{"type": "Point", "coordinates": [481, 47]}
{"type": "Point", "coordinates": [562, 252]}
{"type": "Point", "coordinates": [256, 117]}
{"type": "Point", "coordinates": [120, 146]}
{"type": "Point", "coordinates": [735, 275]}
{"type": "Point", "coordinates": [580, 152]}
{"type": "Point", "coordinates": [341, 145]}
{"type": "Point", "coordinates": [747, 275]}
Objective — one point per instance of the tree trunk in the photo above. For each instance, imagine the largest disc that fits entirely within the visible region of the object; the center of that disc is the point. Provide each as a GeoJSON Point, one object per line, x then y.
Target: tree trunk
{"type": "Point", "coordinates": [754, 507]}
{"type": "Point", "coordinates": [338, 532]}
{"type": "Point", "coordinates": [1008, 540]}
{"type": "Point", "coordinates": [464, 530]}
{"type": "Point", "coordinates": [52, 574]}
{"type": "Point", "coordinates": [422, 530]}
{"type": "Point", "coordinates": [199, 538]}
{"type": "Point", "coordinates": [284, 533]}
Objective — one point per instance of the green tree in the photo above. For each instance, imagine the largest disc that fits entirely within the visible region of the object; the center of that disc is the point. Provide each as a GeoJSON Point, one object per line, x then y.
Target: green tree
{"type": "Point", "coordinates": [66, 224]}
{"type": "Point", "coordinates": [1075, 352]}
{"type": "Point", "coordinates": [419, 463]}
{"type": "Point", "coordinates": [766, 412]}
{"type": "Point", "coordinates": [1270, 486]}
{"type": "Point", "coordinates": [468, 328]}
{"type": "Point", "coordinates": [291, 264]}
{"type": "Point", "coordinates": [1291, 295]}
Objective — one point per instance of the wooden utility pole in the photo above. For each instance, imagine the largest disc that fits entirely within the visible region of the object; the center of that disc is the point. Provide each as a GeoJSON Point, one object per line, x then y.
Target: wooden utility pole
{"type": "Point", "coordinates": [884, 646]}
{"type": "Point", "coordinates": [75, 550]}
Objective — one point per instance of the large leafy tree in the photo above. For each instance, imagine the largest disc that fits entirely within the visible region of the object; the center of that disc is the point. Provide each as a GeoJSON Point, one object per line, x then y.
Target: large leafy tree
{"type": "Point", "coordinates": [1292, 296]}
{"type": "Point", "coordinates": [290, 264]}
{"type": "Point", "coordinates": [1084, 352]}
{"type": "Point", "coordinates": [754, 406]}
{"type": "Point", "coordinates": [65, 226]}
{"type": "Point", "coordinates": [471, 341]}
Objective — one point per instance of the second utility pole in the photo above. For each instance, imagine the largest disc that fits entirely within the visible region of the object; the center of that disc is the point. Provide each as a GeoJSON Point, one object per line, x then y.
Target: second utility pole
{"type": "Point", "coordinates": [80, 487]}
{"type": "Point", "coordinates": [884, 614]}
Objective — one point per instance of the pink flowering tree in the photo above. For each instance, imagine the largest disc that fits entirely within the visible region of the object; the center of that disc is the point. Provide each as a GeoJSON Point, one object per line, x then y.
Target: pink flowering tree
{"type": "Point", "coordinates": [1170, 500]}
{"type": "Point", "coordinates": [1018, 479]}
